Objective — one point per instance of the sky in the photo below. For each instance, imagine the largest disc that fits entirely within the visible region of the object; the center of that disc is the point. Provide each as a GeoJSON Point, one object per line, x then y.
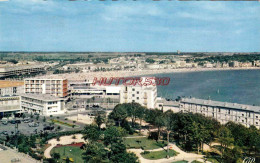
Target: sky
{"type": "Point", "coordinates": [129, 26]}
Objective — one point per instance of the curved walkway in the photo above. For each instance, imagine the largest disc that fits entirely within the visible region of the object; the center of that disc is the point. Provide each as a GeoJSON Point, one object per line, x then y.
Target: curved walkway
{"type": "Point", "coordinates": [181, 156]}
{"type": "Point", "coordinates": [64, 140]}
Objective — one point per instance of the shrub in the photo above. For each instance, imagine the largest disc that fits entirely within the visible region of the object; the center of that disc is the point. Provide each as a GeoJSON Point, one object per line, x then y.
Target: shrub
{"type": "Point", "coordinates": [145, 152]}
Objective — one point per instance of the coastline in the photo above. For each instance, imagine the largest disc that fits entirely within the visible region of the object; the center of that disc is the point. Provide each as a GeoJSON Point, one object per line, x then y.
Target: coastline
{"type": "Point", "coordinates": [91, 75]}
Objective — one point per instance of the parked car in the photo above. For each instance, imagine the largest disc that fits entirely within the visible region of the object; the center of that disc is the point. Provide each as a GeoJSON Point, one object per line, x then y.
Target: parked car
{"type": "Point", "coordinates": [26, 121]}
{"type": "Point", "coordinates": [4, 122]}
{"type": "Point", "coordinates": [5, 132]}
{"type": "Point", "coordinates": [48, 128]}
{"type": "Point", "coordinates": [12, 121]}
{"type": "Point", "coordinates": [33, 124]}
{"type": "Point", "coordinates": [18, 121]}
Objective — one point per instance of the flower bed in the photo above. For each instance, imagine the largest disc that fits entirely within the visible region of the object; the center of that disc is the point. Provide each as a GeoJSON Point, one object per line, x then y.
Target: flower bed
{"type": "Point", "coordinates": [62, 123]}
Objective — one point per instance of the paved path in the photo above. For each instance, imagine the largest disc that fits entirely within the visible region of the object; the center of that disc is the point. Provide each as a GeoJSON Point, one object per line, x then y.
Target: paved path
{"type": "Point", "coordinates": [64, 140]}
{"type": "Point", "coordinates": [181, 156]}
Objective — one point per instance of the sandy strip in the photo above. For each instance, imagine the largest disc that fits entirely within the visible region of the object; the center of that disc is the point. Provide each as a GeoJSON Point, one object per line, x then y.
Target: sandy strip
{"type": "Point", "coordinates": [91, 75]}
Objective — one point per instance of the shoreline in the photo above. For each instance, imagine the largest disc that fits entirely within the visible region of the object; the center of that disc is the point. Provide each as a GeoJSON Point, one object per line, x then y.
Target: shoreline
{"type": "Point", "coordinates": [91, 75]}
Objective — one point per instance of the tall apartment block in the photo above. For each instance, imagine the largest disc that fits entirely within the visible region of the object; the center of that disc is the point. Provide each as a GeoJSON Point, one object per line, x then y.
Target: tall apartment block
{"type": "Point", "coordinates": [146, 96]}
{"type": "Point", "coordinates": [55, 87]}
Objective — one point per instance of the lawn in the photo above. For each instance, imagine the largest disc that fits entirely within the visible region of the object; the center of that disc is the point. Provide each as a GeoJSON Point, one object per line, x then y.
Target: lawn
{"type": "Point", "coordinates": [144, 143]}
{"type": "Point", "coordinates": [158, 154]}
{"type": "Point", "coordinates": [72, 152]}
{"type": "Point", "coordinates": [195, 161]}
{"type": "Point", "coordinates": [184, 161]}
{"type": "Point", "coordinates": [63, 123]}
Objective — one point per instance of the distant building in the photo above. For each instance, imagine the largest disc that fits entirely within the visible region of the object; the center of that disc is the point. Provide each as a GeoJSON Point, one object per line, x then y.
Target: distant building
{"type": "Point", "coordinates": [10, 88]}
{"type": "Point", "coordinates": [245, 64]}
{"type": "Point", "coordinates": [180, 64]}
{"type": "Point", "coordinates": [50, 86]}
{"type": "Point", "coordinates": [41, 104]}
{"type": "Point", "coordinates": [8, 71]}
{"type": "Point", "coordinates": [234, 64]}
{"type": "Point", "coordinates": [222, 111]}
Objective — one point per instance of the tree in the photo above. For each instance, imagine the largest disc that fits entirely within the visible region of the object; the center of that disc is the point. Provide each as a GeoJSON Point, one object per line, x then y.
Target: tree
{"type": "Point", "coordinates": [37, 117]}
{"type": "Point", "coordinates": [119, 113]}
{"type": "Point", "coordinates": [95, 152]}
{"type": "Point", "coordinates": [113, 134]}
{"type": "Point", "coordinates": [232, 155]}
{"type": "Point", "coordinates": [132, 111]}
{"type": "Point", "coordinates": [56, 156]}
{"type": "Point", "coordinates": [23, 116]}
{"type": "Point", "coordinates": [99, 120]}
{"type": "Point", "coordinates": [118, 153]}
{"type": "Point", "coordinates": [159, 122]}
{"type": "Point", "coordinates": [92, 133]}
{"type": "Point", "coordinates": [141, 115]}
{"type": "Point", "coordinates": [169, 122]}
{"type": "Point", "coordinates": [149, 60]}
{"type": "Point", "coordinates": [225, 138]}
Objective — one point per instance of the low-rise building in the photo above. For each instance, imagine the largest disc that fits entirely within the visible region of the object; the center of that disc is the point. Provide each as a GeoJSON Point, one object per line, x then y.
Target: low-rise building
{"type": "Point", "coordinates": [8, 71]}
{"type": "Point", "coordinates": [234, 64]}
{"type": "Point", "coordinates": [86, 89]}
{"type": "Point", "coordinates": [9, 105]}
{"type": "Point", "coordinates": [10, 88]}
{"type": "Point", "coordinates": [222, 111]}
{"type": "Point", "coordinates": [41, 104]}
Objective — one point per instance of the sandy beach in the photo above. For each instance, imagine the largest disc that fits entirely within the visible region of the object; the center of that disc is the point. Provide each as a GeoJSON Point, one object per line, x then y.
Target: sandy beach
{"type": "Point", "coordinates": [91, 75]}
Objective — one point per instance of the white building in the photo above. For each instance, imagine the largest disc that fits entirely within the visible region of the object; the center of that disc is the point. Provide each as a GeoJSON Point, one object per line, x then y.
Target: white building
{"type": "Point", "coordinates": [85, 89]}
{"type": "Point", "coordinates": [9, 105]}
{"type": "Point", "coordinates": [222, 111]}
{"type": "Point", "coordinates": [10, 88]}
{"type": "Point", "coordinates": [42, 104]}
{"type": "Point", "coordinates": [144, 95]}
{"type": "Point", "coordinates": [46, 85]}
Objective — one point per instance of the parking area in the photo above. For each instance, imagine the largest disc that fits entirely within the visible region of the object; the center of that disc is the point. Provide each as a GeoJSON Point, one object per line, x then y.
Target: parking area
{"type": "Point", "coordinates": [27, 127]}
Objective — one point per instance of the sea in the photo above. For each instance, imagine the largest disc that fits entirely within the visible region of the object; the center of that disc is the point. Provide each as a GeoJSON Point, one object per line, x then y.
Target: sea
{"type": "Point", "coordinates": [236, 86]}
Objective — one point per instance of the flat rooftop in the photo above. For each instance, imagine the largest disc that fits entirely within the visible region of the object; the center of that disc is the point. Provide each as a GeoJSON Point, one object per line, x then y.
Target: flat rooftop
{"type": "Point", "coordinates": [222, 104]}
{"type": "Point", "coordinates": [10, 155]}
{"type": "Point", "coordinates": [8, 83]}
{"type": "Point", "coordinates": [42, 97]}
{"type": "Point", "coordinates": [5, 68]}
{"type": "Point", "coordinates": [48, 77]}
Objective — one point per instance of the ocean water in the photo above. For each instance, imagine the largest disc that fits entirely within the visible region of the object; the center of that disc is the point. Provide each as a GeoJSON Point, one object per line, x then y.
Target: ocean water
{"type": "Point", "coordinates": [238, 86]}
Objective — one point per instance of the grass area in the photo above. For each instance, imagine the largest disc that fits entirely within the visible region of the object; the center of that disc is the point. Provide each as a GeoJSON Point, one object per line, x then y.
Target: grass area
{"type": "Point", "coordinates": [72, 152]}
{"type": "Point", "coordinates": [158, 154]}
{"type": "Point", "coordinates": [184, 161]}
{"type": "Point", "coordinates": [195, 161]}
{"type": "Point", "coordinates": [133, 135]}
{"type": "Point", "coordinates": [213, 160]}
{"type": "Point", "coordinates": [63, 123]}
{"type": "Point", "coordinates": [143, 143]}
